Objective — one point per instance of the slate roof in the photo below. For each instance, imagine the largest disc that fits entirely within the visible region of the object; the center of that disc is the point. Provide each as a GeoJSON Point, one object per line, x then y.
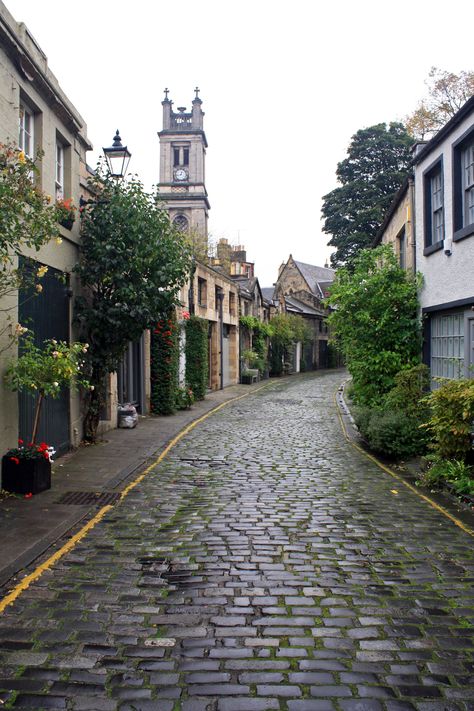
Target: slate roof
{"type": "Point", "coordinates": [314, 275]}
{"type": "Point", "coordinates": [296, 306]}
{"type": "Point", "coordinates": [268, 292]}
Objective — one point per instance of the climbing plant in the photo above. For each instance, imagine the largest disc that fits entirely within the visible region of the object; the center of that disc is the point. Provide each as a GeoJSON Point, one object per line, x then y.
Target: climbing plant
{"type": "Point", "coordinates": [164, 365]}
{"type": "Point", "coordinates": [197, 358]}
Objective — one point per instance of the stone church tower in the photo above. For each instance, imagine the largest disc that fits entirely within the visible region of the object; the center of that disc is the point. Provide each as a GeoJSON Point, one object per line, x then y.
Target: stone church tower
{"type": "Point", "coordinates": [182, 167]}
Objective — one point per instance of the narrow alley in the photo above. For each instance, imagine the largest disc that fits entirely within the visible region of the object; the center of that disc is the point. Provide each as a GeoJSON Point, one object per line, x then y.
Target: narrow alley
{"type": "Point", "coordinates": [263, 564]}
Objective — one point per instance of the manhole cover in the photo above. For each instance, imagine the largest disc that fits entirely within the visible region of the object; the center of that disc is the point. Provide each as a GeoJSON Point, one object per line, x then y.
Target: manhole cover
{"type": "Point", "coordinates": [88, 498]}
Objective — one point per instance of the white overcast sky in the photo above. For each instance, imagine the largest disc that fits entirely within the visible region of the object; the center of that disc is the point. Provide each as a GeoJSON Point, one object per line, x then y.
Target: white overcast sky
{"type": "Point", "coordinates": [284, 87]}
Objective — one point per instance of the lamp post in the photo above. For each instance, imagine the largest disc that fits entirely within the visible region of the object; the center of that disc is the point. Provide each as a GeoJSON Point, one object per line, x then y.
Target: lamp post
{"type": "Point", "coordinates": [117, 157]}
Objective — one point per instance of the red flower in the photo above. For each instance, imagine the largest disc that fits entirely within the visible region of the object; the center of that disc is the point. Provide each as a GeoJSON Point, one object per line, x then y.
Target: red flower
{"type": "Point", "coordinates": [28, 496]}
{"type": "Point", "coordinates": [15, 459]}
{"type": "Point", "coordinates": [42, 447]}
{"type": "Point", "coordinates": [46, 455]}
{"type": "Point", "coordinates": [20, 442]}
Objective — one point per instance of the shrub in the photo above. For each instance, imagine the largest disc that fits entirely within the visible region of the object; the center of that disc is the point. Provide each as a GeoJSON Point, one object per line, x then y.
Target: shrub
{"type": "Point", "coordinates": [395, 433]}
{"type": "Point", "coordinates": [454, 472]}
{"type": "Point", "coordinates": [184, 398]}
{"type": "Point", "coordinates": [375, 321]}
{"type": "Point", "coordinates": [451, 420]}
{"type": "Point", "coordinates": [164, 366]}
{"type": "Point", "coordinates": [197, 366]}
{"type": "Point", "coordinates": [411, 387]}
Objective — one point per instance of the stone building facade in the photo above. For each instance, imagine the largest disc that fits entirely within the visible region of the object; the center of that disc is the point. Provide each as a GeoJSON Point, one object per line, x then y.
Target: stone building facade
{"type": "Point", "coordinates": [36, 115]}
{"type": "Point", "coordinates": [299, 290]}
{"type": "Point", "coordinates": [397, 228]}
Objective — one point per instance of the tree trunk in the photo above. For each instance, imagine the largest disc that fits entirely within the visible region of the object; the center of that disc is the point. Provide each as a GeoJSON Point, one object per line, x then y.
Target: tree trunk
{"type": "Point", "coordinates": [94, 403]}
{"type": "Point", "coordinates": [37, 416]}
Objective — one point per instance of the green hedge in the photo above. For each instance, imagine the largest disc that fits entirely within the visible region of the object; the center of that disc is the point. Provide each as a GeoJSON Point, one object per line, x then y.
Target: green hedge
{"type": "Point", "coordinates": [197, 357]}
{"type": "Point", "coordinates": [164, 365]}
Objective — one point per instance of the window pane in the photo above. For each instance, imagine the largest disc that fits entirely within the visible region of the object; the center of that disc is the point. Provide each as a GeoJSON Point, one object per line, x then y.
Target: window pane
{"type": "Point", "coordinates": [447, 346]}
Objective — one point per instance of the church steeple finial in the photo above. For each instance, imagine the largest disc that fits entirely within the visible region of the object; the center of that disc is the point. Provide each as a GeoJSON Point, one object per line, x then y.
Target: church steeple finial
{"type": "Point", "coordinates": [167, 91]}
{"type": "Point", "coordinates": [197, 99]}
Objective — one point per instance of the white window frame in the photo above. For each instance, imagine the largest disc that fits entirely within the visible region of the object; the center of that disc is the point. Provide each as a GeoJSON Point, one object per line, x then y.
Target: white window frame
{"type": "Point", "coordinates": [447, 346]}
{"type": "Point", "coordinates": [26, 131]}
{"type": "Point", "coordinates": [437, 212]}
{"type": "Point", "coordinates": [467, 167]}
{"type": "Point", "coordinates": [59, 171]}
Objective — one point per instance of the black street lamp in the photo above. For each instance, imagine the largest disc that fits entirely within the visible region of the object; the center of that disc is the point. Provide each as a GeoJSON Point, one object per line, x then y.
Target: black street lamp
{"type": "Point", "coordinates": [118, 157]}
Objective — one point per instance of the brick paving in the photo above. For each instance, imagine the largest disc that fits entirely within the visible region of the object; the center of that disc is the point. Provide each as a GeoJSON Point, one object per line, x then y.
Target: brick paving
{"type": "Point", "coordinates": [265, 564]}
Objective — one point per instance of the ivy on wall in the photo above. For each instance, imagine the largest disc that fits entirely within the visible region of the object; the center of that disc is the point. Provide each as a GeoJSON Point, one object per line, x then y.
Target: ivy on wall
{"type": "Point", "coordinates": [197, 358]}
{"type": "Point", "coordinates": [164, 365]}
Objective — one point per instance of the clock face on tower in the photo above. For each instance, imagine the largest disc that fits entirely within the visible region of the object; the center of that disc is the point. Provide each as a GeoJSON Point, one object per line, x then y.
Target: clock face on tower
{"type": "Point", "coordinates": [180, 174]}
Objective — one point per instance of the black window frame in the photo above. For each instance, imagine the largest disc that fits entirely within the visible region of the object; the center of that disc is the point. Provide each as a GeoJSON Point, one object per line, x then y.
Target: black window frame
{"type": "Point", "coordinates": [435, 168]}
{"type": "Point", "coordinates": [460, 229]}
{"type": "Point", "coordinates": [402, 248]}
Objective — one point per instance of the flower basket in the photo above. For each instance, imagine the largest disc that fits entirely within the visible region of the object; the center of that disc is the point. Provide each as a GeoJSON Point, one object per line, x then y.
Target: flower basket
{"type": "Point", "coordinates": [66, 213]}
{"type": "Point", "coordinates": [67, 222]}
{"type": "Point", "coordinates": [25, 476]}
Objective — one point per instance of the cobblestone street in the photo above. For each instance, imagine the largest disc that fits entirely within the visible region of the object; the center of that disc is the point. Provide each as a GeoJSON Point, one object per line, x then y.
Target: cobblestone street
{"type": "Point", "coordinates": [264, 564]}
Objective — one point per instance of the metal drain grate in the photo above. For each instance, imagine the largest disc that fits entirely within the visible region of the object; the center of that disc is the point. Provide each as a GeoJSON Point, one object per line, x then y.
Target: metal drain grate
{"type": "Point", "coordinates": [88, 498]}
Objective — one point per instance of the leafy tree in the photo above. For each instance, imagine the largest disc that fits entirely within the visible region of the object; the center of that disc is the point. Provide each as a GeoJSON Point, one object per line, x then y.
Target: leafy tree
{"type": "Point", "coordinates": [133, 263]}
{"type": "Point", "coordinates": [43, 372]}
{"type": "Point", "coordinates": [376, 164]}
{"type": "Point", "coordinates": [447, 92]}
{"type": "Point", "coordinates": [375, 321]}
{"type": "Point", "coordinates": [27, 222]}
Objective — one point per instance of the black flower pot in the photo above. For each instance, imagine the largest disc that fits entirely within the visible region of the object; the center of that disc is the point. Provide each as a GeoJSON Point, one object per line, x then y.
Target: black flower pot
{"type": "Point", "coordinates": [67, 222]}
{"type": "Point", "coordinates": [30, 476]}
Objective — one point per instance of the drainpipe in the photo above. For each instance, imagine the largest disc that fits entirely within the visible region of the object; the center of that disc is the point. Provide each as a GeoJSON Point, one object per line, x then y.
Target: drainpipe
{"type": "Point", "coordinates": [191, 302]}
{"type": "Point", "coordinates": [220, 297]}
{"type": "Point", "coordinates": [411, 192]}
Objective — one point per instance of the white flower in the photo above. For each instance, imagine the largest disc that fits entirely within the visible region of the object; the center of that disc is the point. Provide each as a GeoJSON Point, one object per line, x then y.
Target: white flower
{"type": "Point", "coordinates": [56, 385]}
{"type": "Point", "coordinates": [92, 387]}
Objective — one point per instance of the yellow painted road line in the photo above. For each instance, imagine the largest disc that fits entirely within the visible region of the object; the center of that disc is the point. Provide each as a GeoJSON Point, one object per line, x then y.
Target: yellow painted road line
{"type": "Point", "coordinates": [399, 478]}
{"type": "Point", "coordinates": [26, 582]}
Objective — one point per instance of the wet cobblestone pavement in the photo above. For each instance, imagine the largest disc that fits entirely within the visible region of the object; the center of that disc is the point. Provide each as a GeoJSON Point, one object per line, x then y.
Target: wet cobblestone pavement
{"type": "Point", "coordinates": [265, 564]}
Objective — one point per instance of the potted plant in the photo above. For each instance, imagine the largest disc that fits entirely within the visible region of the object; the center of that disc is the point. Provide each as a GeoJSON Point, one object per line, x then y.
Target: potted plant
{"type": "Point", "coordinates": [66, 212]}
{"type": "Point", "coordinates": [43, 372]}
{"type": "Point", "coordinates": [184, 398]}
